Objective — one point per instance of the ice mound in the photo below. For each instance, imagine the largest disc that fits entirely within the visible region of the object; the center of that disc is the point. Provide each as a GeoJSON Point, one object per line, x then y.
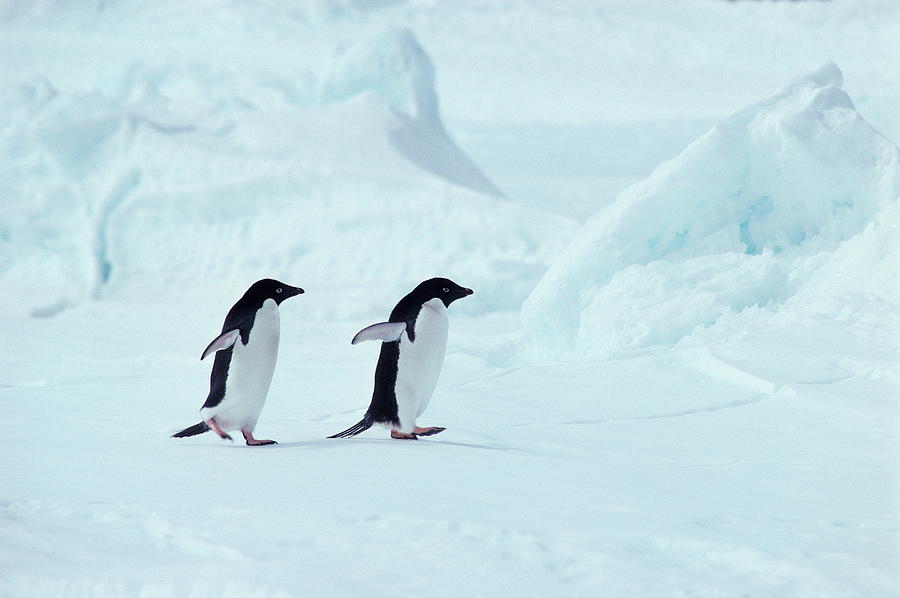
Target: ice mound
{"type": "Point", "coordinates": [742, 218]}
{"type": "Point", "coordinates": [166, 176]}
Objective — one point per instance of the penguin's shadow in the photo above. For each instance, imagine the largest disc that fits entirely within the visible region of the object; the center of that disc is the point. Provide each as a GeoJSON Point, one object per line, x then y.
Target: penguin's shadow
{"type": "Point", "coordinates": [337, 443]}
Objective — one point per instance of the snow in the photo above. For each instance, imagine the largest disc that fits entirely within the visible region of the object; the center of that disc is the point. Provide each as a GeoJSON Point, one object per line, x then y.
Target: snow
{"type": "Point", "coordinates": [677, 375]}
{"type": "Point", "coordinates": [619, 483]}
{"type": "Point", "coordinates": [728, 224]}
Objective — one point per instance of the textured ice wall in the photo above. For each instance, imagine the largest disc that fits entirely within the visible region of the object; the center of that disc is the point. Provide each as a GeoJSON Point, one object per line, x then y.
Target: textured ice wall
{"type": "Point", "coordinates": [724, 226]}
{"type": "Point", "coordinates": [168, 176]}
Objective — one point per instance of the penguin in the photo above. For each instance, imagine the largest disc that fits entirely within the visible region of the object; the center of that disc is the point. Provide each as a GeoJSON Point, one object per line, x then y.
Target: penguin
{"type": "Point", "coordinates": [246, 352]}
{"type": "Point", "coordinates": [412, 355]}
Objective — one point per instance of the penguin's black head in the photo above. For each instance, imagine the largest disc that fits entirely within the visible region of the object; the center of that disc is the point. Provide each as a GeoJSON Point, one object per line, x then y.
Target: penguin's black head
{"type": "Point", "coordinates": [268, 288]}
{"type": "Point", "coordinates": [441, 288]}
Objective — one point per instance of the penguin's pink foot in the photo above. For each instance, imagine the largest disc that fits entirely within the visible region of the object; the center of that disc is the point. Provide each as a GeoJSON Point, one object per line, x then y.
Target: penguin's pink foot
{"type": "Point", "coordinates": [215, 428]}
{"type": "Point", "coordinates": [428, 431]}
{"type": "Point", "coordinates": [402, 435]}
{"type": "Point", "coordinates": [251, 441]}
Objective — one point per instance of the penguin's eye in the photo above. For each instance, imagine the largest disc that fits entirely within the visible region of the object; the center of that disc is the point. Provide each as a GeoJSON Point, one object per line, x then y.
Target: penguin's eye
{"type": "Point", "coordinates": [446, 290]}
{"type": "Point", "coordinates": [278, 290]}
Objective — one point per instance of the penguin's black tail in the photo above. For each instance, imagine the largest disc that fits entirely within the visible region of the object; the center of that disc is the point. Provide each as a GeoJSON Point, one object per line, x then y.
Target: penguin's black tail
{"type": "Point", "coordinates": [192, 431]}
{"type": "Point", "coordinates": [363, 425]}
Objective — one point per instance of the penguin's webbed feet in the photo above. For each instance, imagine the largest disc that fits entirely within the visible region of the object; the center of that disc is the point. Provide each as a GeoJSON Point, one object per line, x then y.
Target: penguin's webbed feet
{"type": "Point", "coordinates": [251, 441]}
{"type": "Point", "coordinates": [256, 442]}
{"type": "Point", "coordinates": [431, 431]}
{"type": "Point", "coordinates": [398, 435]}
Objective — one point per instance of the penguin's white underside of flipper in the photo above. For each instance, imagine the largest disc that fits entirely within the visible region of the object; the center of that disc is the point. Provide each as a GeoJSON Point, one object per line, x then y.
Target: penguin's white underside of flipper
{"type": "Point", "coordinates": [223, 341]}
{"type": "Point", "coordinates": [383, 331]}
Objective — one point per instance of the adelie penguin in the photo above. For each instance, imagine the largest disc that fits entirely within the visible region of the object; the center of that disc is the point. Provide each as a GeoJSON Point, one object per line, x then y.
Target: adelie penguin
{"type": "Point", "coordinates": [246, 352]}
{"type": "Point", "coordinates": [412, 355]}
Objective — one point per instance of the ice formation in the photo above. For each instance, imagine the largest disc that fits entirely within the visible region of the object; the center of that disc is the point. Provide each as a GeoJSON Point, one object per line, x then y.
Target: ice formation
{"type": "Point", "coordinates": [744, 217]}
{"type": "Point", "coordinates": [168, 173]}
{"type": "Point", "coordinates": [394, 65]}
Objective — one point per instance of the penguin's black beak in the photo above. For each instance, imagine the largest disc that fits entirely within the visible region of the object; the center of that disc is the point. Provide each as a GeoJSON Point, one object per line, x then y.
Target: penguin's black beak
{"type": "Point", "coordinates": [468, 291]}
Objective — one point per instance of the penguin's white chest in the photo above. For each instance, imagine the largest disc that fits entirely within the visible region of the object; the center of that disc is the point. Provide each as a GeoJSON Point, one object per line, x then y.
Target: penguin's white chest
{"type": "Point", "coordinates": [250, 372]}
{"type": "Point", "coordinates": [420, 362]}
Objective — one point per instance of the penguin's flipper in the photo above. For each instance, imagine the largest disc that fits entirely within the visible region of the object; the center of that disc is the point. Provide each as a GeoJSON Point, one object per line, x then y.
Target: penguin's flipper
{"type": "Point", "coordinates": [383, 331]}
{"type": "Point", "coordinates": [223, 341]}
{"type": "Point", "coordinates": [363, 425]}
{"type": "Point", "coordinates": [192, 431]}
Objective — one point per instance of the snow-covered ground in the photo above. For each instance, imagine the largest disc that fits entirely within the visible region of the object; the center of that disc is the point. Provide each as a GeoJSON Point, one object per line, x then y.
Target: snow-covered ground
{"type": "Point", "coordinates": [678, 375]}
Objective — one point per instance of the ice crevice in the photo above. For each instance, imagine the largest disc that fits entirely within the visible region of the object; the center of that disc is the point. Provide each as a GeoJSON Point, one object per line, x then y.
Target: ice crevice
{"type": "Point", "coordinates": [126, 183]}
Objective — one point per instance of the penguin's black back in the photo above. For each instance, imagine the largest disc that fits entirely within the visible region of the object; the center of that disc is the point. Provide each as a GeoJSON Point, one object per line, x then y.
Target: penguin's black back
{"type": "Point", "coordinates": [383, 408]}
{"type": "Point", "coordinates": [242, 319]}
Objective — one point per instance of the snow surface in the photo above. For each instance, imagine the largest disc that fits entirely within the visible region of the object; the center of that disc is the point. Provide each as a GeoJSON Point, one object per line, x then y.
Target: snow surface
{"type": "Point", "coordinates": [698, 398]}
